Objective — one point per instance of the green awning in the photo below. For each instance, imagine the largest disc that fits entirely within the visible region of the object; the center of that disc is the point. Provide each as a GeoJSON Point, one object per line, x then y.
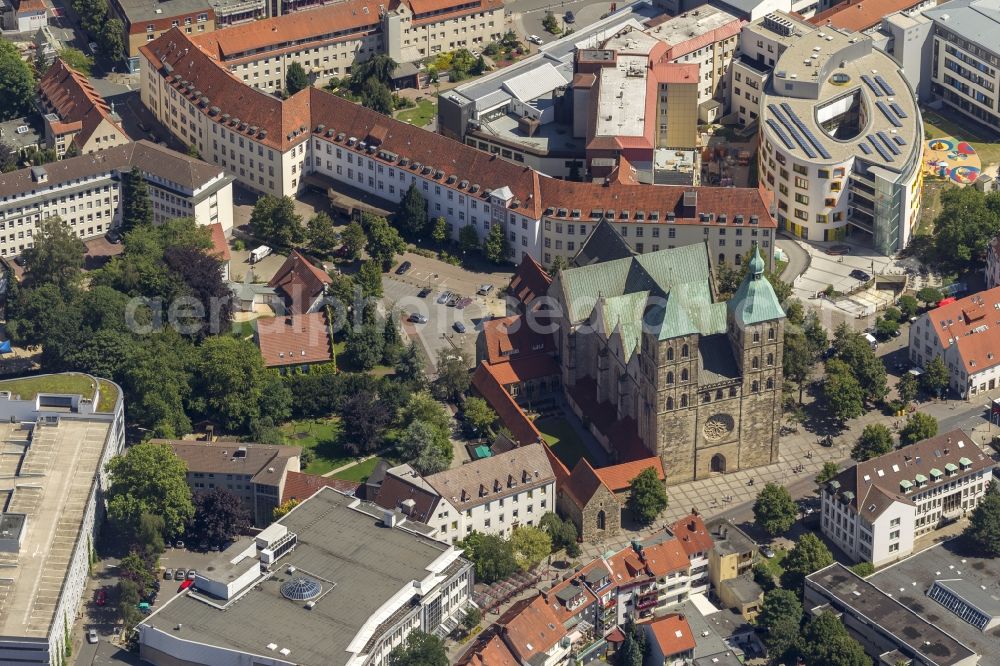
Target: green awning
{"type": "Point", "coordinates": [935, 472]}
{"type": "Point", "coordinates": [921, 478]}
{"type": "Point", "coordinates": [951, 467]}
{"type": "Point", "coordinates": [483, 452]}
{"type": "Point", "coordinates": [905, 485]}
{"type": "Point", "coordinates": [964, 462]}
{"type": "Point", "coordinates": [834, 484]}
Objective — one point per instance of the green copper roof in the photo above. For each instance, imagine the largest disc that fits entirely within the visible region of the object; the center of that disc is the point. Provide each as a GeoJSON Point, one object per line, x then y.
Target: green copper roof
{"type": "Point", "coordinates": [964, 461]}
{"type": "Point", "coordinates": [625, 311]}
{"type": "Point", "coordinates": [951, 467]}
{"type": "Point", "coordinates": [920, 478]}
{"type": "Point", "coordinates": [905, 484]}
{"type": "Point", "coordinates": [935, 472]}
{"type": "Point", "coordinates": [755, 300]}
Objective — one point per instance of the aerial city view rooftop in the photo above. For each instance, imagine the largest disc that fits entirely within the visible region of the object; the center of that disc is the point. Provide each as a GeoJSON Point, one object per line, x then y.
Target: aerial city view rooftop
{"type": "Point", "coordinates": [500, 333]}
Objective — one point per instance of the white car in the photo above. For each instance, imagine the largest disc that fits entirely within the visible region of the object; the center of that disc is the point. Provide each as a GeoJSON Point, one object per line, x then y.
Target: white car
{"type": "Point", "coordinates": [535, 39]}
{"type": "Point", "coordinates": [92, 636]}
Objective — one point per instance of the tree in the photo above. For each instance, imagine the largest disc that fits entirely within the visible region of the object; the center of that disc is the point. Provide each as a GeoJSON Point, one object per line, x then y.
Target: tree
{"type": "Point", "coordinates": [201, 273]}
{"type": "Point", "coordinates": [149, 478]}
{"type": "Point", "coordinates": [420, 649]}
{"type": "Point", "coordinates": [843, 393]}
{"type": "Point", "coordinates": [468, 238]}
{"type": "Point", "coordinates": [860, 360]}
{"type": "Point", "coordinates": [17, 83]}
{"type": "Point", "coordinates": [453, 375]}
{"type": "Point", "coordinates": [379, 68]}
{"type": "Point", "coordinates": [149, 535]}
{"type": "Point", "coordinates": [828, 471]}
{"type": "Point", "coordinates": [825, 642]}
{"type": "Point", "coordinates": [531, 545]}
{"type": "Point", "coordinates": [495, 246]}
{"type": "Point", "coordinates": [8, 158]}
{"type": "Point", "coordinates": [480, 66]}
{"type": "Point", "coordinates": [634, 648]}
{"type": "Point", "coordinates": [809, 554]}
{"type": "Point", "coordinates": [885, 328]}
{"type": "Point", "coordinates": [863, 569]}
{"type": "Point", "coordinates": [647, 496]}
{"type": "Point", "coordinates": [774, 509]}
{"type": "Point", "coordinates": [296, 78]}
{"type": "Point", "coordinates": [219, 517]}
{"type": "Point", "coordinates": [875, 441]}
{"type": "Point", "coordinates": [353, 239]}
{"type": "Point", "coordinates": [562, 532]}
{"type": "Point", "coordinates": [364, 422]}
{"type": "Point", "coordinates": [780, 616]}
{"type": "Point", "coordinates": [492, 556]}
{"type": "Point", "coordinates": [420, 445]}
{"type": "Point", "coordinates": [472, 618]}
{"type": "Point", "coordinates": [930, 296]}
{"type": "Point", "coordinates": [908, 387]}
{"type": "Point", "coordinates": [421, 406]}
{"type": "Point", "coordinates": [558, 264]}
{"type": "Point", "coordinates": [935, 378]}
{"type": "Point", "coordinates": [76, 59]}
{"type": "Point", "coordinates": [984, 524]}
{"type": "Point", "coordinates": [135, 568]}
{"type": "Point", "coordinates": [320, 233]}
{"type": "Point", "coordinates": [478, 415]}
{"type": "Point", "coordinates": [390, 336]}
{"type": "Point", "coordinates": [798, 359]}
{"type": "Point", "coordinates": [282, 509]}
{"type": "Point", "coordinates": [364, 347]}
{"type": "Point", "coordinates": [384, 241]}
{"type": "Point", "coordinates": [275, 221]}
{"type": "Point", "coordinates": [377, 96]}
{"type": "Point", "coordinates": [234, 388]}
{"type": "Point", "coordinates": [369, 279]}
{"type": "Point", "coordinates": [137, 209]}
{"type": "Point", "coordinates": [917, 428]}
{"type": "Point", "coordinates": [968, 221]}
{"type": "Point", "coordinates": [55, 258]}
{"type": "Point", "coordinates": [111, 40]}
{"type": "Point", "coordinates": [907, 306]}
{"type": "Point", "coordinates": [440, 232]}
{"type": "Point", "coordinates": [551, 23]}
{"type": "Point", "coordinates": [412, 216]}
{"type": "Point", "coordinates": [410, 366]}
{"type": "Point", "coordinates": [815, 334]}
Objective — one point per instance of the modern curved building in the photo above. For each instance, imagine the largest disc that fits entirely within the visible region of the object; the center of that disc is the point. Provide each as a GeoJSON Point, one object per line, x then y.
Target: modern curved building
{"type": "Point", "coordinates": [841, 140]}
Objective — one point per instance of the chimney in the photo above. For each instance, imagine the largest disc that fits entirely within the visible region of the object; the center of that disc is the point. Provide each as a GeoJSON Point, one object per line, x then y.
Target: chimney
{"type": "Point", "coordinates": [388, 518]}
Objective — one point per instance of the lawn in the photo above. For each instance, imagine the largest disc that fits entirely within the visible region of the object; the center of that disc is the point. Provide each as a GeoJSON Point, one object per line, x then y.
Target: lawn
{"type": "Point", "coordinates": [243, 329]}
{"type": "Point", "coordinates": [359, 472]}
{"type": "Point", "coordinates": [774, 564]}
{"type": "Point", "coordinates": [29, 387]}
{"type": "Point", "coordinates": [563, 440]}
{"type": "Point", "coordinates": [937, 126]}
{"type": "Point", "coordinates": [421, 114]}
{"type": "Point", "coordinates": [320, 436]}
{"type": "Point", "coordinates": [344, 361]}
{"type": "Point", "coordinates": [109, 396]}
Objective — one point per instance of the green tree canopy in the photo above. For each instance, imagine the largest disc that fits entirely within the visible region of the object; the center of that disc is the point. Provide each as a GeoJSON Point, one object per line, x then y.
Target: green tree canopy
{"type": "Point", "coordinates": [137, 209]}
{"type": "Point", "coordinates": [495, 245]}
{"type": "Point", "coordinates": [369, 279]}
{"type": "Point", "coordinates": [17, 82]}
{"type": "Point", "coordinates": [774, 510]}
{"type": "Point", "coordinates": [935, 378]}
{"type": "Point", "coordinates": [468, 238]}
{"type": "Point", "coordinates": [353, 239]}
{"type": "Point", "coordinates": [875, 440]}
{"type": "Point", "coordinates": [918, 427]}
{"type": "Point", "coordinates": [908, 387]}
{"type": "Point", "coordinates": [55, 258]}
{"type": "Point", "coordinates": [563, 533]}
{"type": "Point", "coordinates": [219, 517]}
{"type": "Point", "coordinates": [478, 414]}
{"type": "Point", "coordinates": [321, 235]}
{"type": "Point", "coordinates": [230, 382]}
{"type": "Point", "coordinates": [453, 375]}
{"type": "Point", "coordinates": [968, 221]}
{"type": "Point", "coordinates": [828, 471]}
{"type": "Point", "coordinates": [412, 216]}
{"type": "Point", "coordinates": [531, 545]}
{"type": "Point", "coordinates": [275, 221]}
{"type": "Point", "coordinates": [908, 306]}
{"type": "Point", "coordinates": [149, 478]}
{"type": "Point", "coordinates": [419, 649]}
{"type": "Point", "coordinates": [647, 496]}
{"type": "Point", "coordinates": [984, 525]}
{"type": "Point", "coordinates": [825, 642]}
{"type": "Point", "coordinates": [77, 59]}
{"type": "Point", "coordinates": [780, 617]}
{"type": "Point", "coordinates": [843, 393]}
{"type": "Point", "coordinates": [296, 78]}
{"type": "Point", "coordinates": [798, 359]}
{"type": "Point", "coordinates": [384, 241]}
{"type": "Point", "coordinates": [111, 40]}
{"type": "Point", "coordinates": [492, 556]}
{"type": "Point", "coordinates": [809, 554]}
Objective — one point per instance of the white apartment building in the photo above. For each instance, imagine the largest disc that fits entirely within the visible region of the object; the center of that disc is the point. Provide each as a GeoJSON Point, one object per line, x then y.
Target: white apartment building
{"type": "Point", "coordinates": [332, 562]}
{"type": "Point", "coordinates": [965, 72]}
{"type": "Point", "coordinates": [874, 510]}
{"type": "Point", "coordinates": [276, 146]}
{"type": "Point", "coordinates": [491, 495]}
{"type": "Point", "coordinates": [841, 140]}
{"type": "Point", "coordinates": [964, 335]}
{"type": "Point", "coordinates": [56, 448]}
{"type": "Point", "coordinates": [85, 192]}
{"type": "Point", "coordinates": [415, 29]}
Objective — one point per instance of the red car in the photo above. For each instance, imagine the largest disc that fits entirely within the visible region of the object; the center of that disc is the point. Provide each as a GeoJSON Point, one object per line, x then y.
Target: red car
{"type": "Point", "coordinates": [101, 598]}
{"type": "Point", "coordinates": [185, 585]}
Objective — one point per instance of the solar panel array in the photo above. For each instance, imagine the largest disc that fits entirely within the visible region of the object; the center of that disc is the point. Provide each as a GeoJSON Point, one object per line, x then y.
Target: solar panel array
{"type": "Point", "coordinates": [898, 110]}
{"type": "Point", "coordinates": [781, 134]}
{"type": "Point", "coordinates": [806, 148]}
{"type": "Point", "coordinates": [879, 148]}
{"type": "Point", "coordinates": [805, 130]}
{"type": "Point", "coordinates": [900, 141]}
{"type": "Point", "coordinates": [887, 112]}
{"type": "Point", "coordinates": [884, 85]}
{"type": "Point", "coordinates": [888, 143]}
{"type": "Point", "coordinates": [865, 148]}
{"type": "Point", "coordinates": [871, 84]}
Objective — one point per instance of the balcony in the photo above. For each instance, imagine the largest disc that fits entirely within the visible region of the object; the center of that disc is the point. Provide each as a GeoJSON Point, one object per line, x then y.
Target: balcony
{"type": "Point", "coordinates": [645, 603]}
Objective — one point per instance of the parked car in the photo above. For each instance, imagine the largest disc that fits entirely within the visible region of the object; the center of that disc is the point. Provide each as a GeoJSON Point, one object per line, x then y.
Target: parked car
{"type": "Point", "coordinates": [443, 298]}
{"type": "Point", "coordinates": [168, 574]}
{"type": "Point", "coordinates": [403, 267]}
{"type": "Point", "coordinates": [424, 292]}
{"type": "Point", "coordinates": [418, 318]}
{"type": "Point", "coordinates": [113, 236]}
{"type": "Point", "coordinates": [92, 636]}
{"type": "Point", "coordinates": [766, 552]}
{"type": "Point", "coordinates": [459, 327]}
{"type": "Point", "coordinates": [484, 289]}
{"type": "Point", "coordinates": [101, 597]}
{"type": "Point", "coordinates": [535, 39]}
{"type": "Point", "coordinates": [259, 253]}
{"type": "Point", "coordinates": [453, 301]}
{"type": "Point", "coordinates": [569, 17]}
{"type": "Point", "coordinates": [192, 573]}
{"type": "Point", "coordinates": [180, 574]}
{"type": "Point", "coordinates": [859, 274]}
{"type": "Point", "coordinates": [185, 585]}
{"type": "Point", "coordinates": [178, 544]}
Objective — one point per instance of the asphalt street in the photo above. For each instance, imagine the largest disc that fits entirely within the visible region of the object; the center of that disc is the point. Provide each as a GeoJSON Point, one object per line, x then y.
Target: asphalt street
{"type": "Point", "coordinates": [527, 15]}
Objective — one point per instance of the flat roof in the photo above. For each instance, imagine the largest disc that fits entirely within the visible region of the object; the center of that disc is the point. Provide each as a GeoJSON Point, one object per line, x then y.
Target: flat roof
{"type": "Point", "coordinates": [974, 20]}
{"type": "Point", "coordinates": [909, 580]}
{"type": "Point", "coordinates": [888, 113]}
{"type": "Point", "coordinates": [360, 564]}
{"type": "Point", "coordinates": [892, 613]}
{"type": "Point", "coordinates": [50, 482]}
{"type": "Point", "coordinates": [618, 114]}
{"type": "Point", "coordinates": [728, 539]}
{"type": "Point", "coordinates": [692, 24]}
{"type": "Point", "coordinates": [549, 138]}
{"type": "Point", "coordinates": [151, 10]}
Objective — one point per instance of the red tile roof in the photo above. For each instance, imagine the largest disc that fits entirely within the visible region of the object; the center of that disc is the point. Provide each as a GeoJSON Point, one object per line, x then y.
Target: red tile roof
{"type": "Point", "coordinates": [676, 72]}
{"type": "Point", "coordinates": [284, 122]}
{"type": "Point", "coordinates": [297, 340]}
{"type": "Point", "coordinates": [220, 246]}
{"type": "Point", "coordinates": [300, 486]}
{"type": "Point", "coordinates": [512, 338]}
{"type": "Point", "coordinates": [400, 486]}
{"type": "Point", "coordinates": [525, 369]}
{"type": "Point", "coordinates": [300, 281]}
{"type": "Point", "coordinates": [427, 12]}
{"type": "Point", "coordinates": [75, 101]}
{"type": "Point", "coordinates": [529, 281]}
{"type": "Point", "coordinates": [513, 418]}
{"type": "Point", "coordinates": [692, 535]}
{"type": "Point", "coordinates": [859, 15]}
{"type": "Point", "coordinates": [494, 653]}
{"type": "Point", "coordinates": [973, 323]}
{"type": "Point", "coordinates": [666, 557]}
{"type": "Point", "coordinates": [673, 634]}
{"type": "Point", "coordinates": [584, 483]}
{"type": "Point", "coordinates": [619, 477]}
{"type": "Point", "coordinates": [534, 630]}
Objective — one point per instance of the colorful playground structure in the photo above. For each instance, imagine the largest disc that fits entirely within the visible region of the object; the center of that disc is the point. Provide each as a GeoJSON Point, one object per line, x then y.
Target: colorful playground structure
{"type": "Point", "coordinates": [949, 158]}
